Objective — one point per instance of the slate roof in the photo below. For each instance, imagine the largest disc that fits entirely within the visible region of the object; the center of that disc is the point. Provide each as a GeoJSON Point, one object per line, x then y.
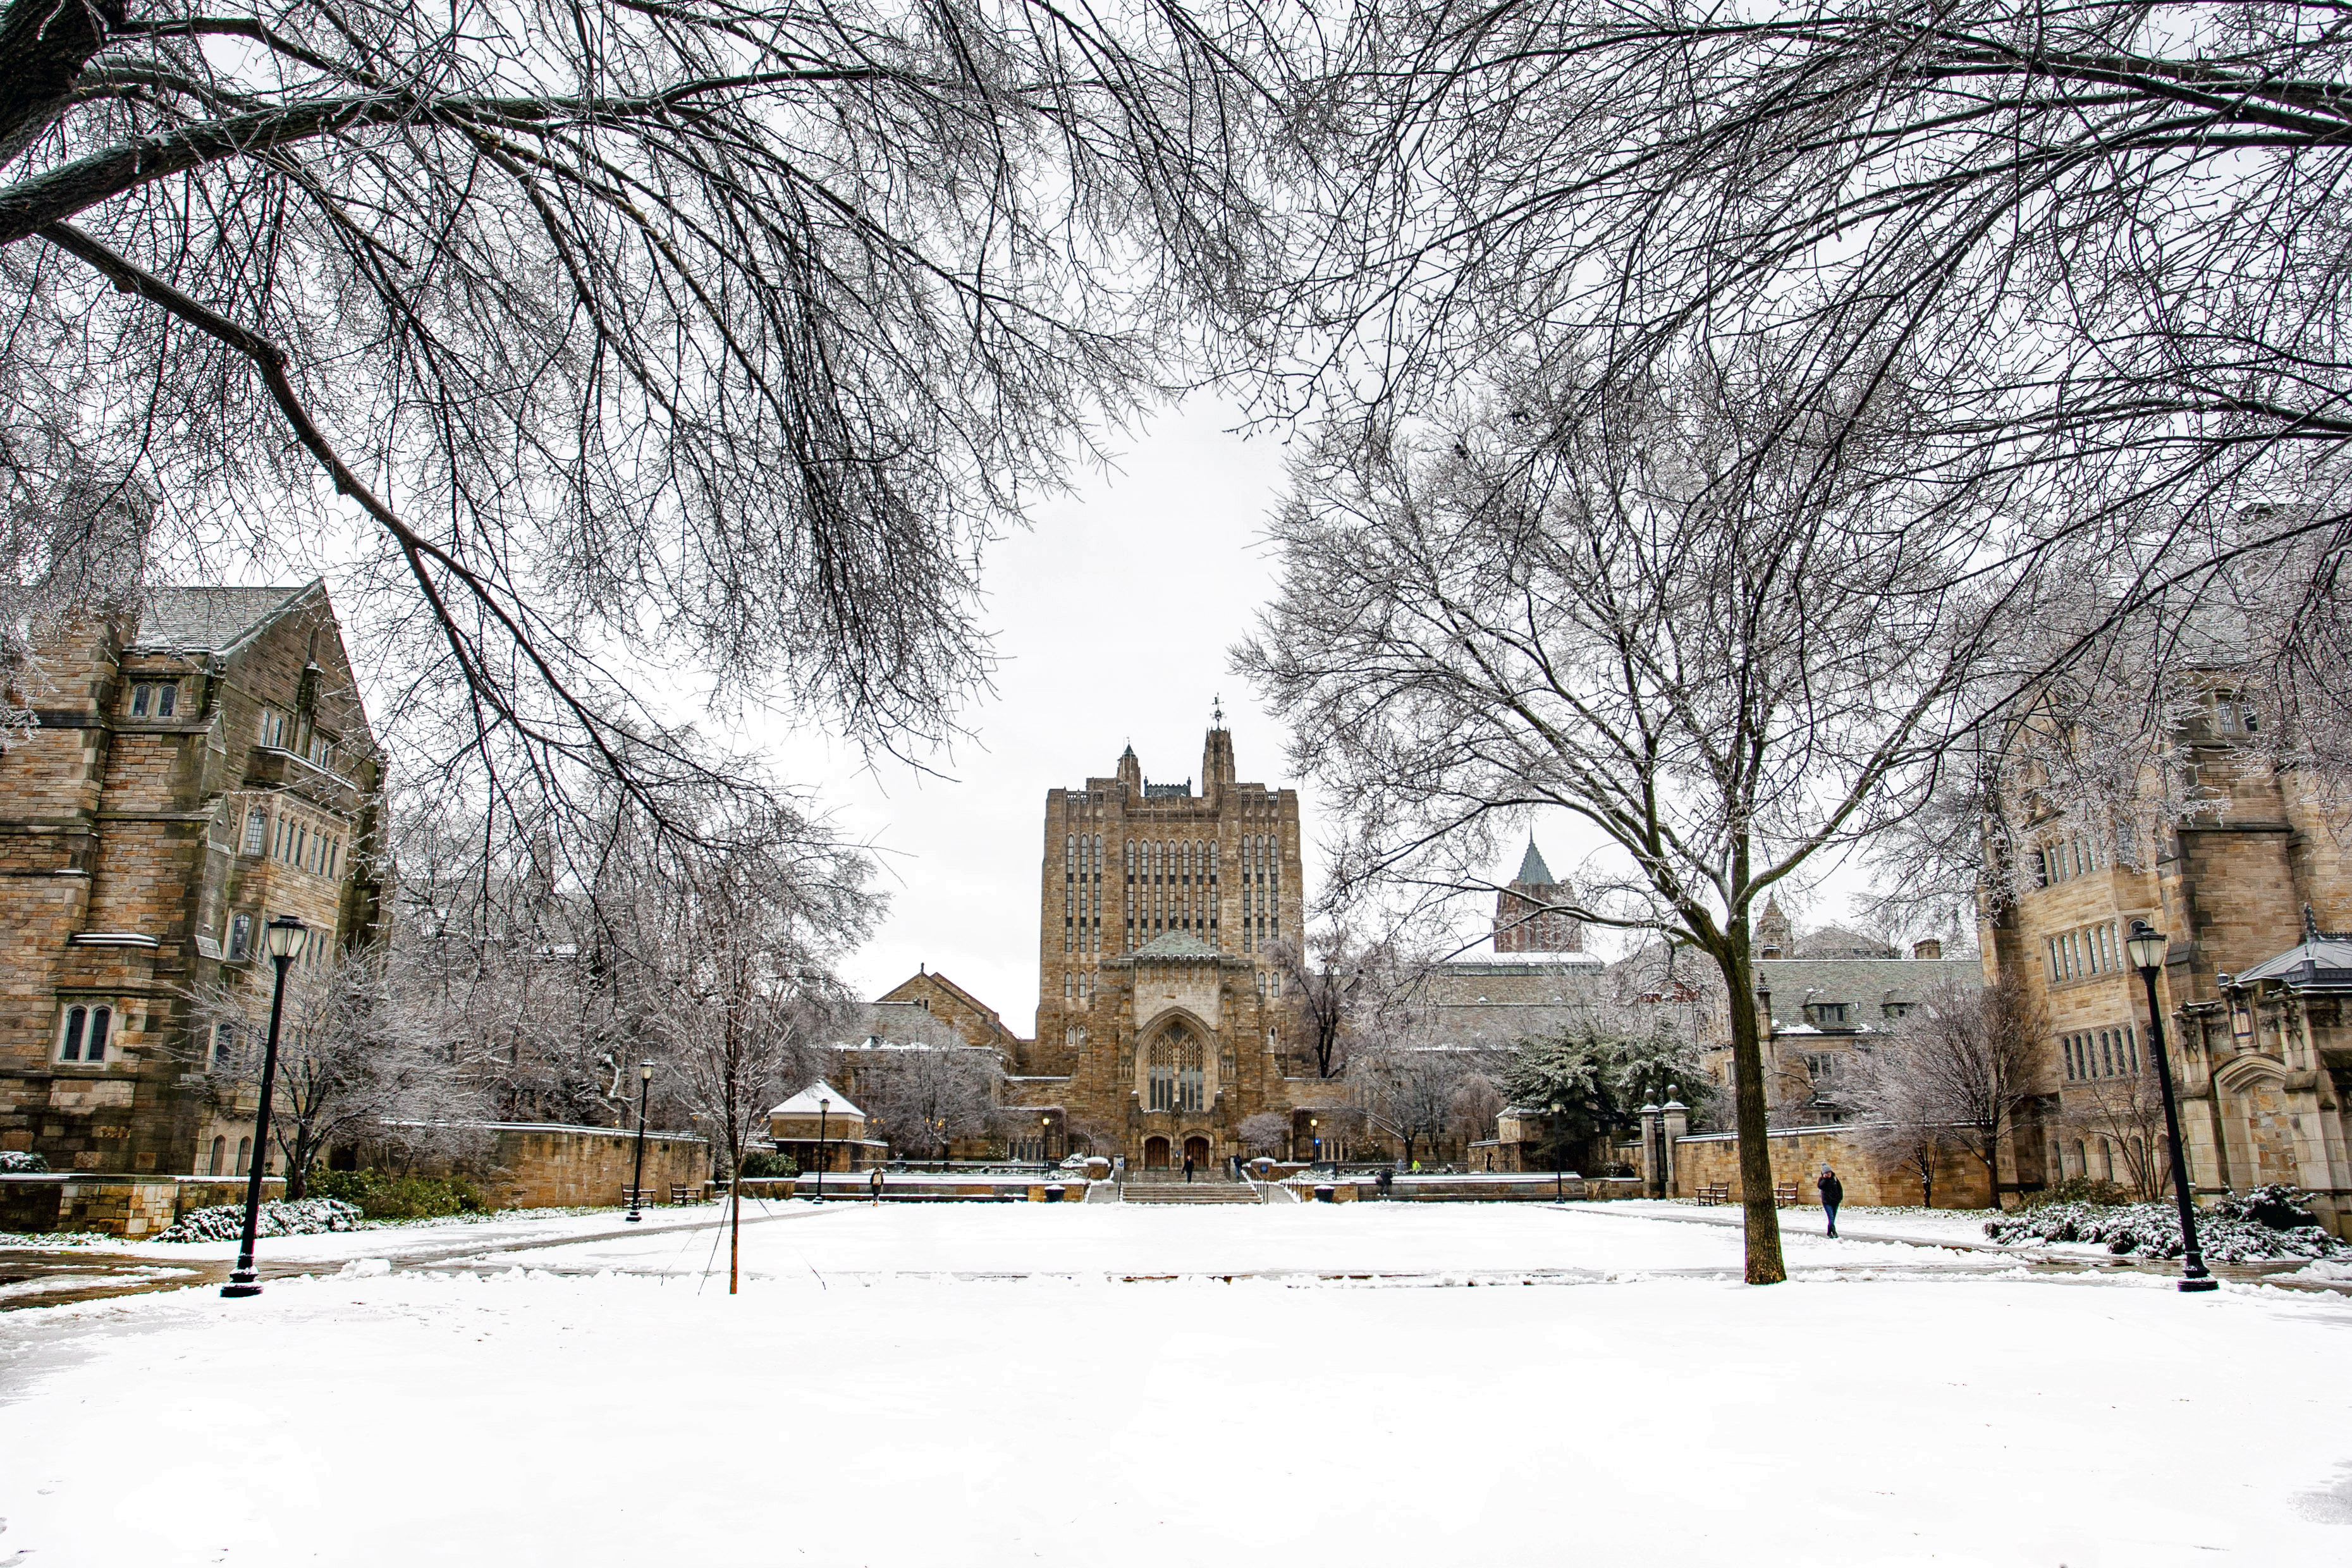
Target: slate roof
{"type": "Point", "coordinates": [1176, 944]}
{"type": "Point", "coordinates": [1865, 984]}
{"type": "Point", "coordinates": [1531, 865]}
{"type": "Point", "coordinates": [210, 620]}
{"type": "Point", "coordinates": [2321, 963]}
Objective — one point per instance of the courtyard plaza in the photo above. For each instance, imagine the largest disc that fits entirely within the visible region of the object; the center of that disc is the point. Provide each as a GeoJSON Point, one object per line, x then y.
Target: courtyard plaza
{"type": "Point", "coordinates": [1103, 1383]}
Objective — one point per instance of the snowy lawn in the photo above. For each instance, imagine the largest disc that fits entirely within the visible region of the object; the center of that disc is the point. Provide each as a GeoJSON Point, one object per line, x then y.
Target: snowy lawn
{"type": "Point", "coordinates": [862, 1403]}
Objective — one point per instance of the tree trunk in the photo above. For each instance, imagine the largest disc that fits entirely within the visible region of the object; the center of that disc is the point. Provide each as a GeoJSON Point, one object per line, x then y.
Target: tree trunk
{"type": "Point", "coordinates": [44, 46]}
{"type": "Point", "coordinates": [1763, 1229]}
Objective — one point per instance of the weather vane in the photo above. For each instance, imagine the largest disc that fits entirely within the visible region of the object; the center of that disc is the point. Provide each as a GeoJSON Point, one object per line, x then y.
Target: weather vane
{"type": "Point", "coordinates": [1217, 712]}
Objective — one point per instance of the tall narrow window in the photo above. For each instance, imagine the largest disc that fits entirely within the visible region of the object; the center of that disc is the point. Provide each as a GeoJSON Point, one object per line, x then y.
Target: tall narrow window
{"type": "Point", "coordinates": [243, 1154]}
{"type": "Point", "coordinates": [220, 1157]}
{"type": "Point", "coordinates": [94, 1049]}
{"type": "Point", "coordinates": [1191, 1079]}
{"type": "Point", "coordinates": [141, 696]}
{"type": "Point", "coordinates": [240, 938]}
{"type": "Point", "coordinates": [1160, 1078]}
{"type": "Point", "coordinates": [224, 1045]}
{"type": "Point", "coordinates": [256, 831]}
{"type": "Point", "coordinates": [69, 1043]}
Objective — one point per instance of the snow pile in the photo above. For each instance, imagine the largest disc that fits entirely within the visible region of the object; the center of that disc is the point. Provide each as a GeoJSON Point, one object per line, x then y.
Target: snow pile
{"type": "Point", "coordinates": [2268, 1223]}
{"type": "Point", "coordinates": [365, 1268]}
{"type": "Point", "coordinates": [2323, 1269]}
{"type": "Point", "coordinates": [226, 1222]}
{"type": "Point", "coordinates": [19, 1163]}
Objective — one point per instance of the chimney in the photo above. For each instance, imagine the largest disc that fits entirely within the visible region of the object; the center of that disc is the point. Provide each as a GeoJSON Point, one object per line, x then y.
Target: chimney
{"type": "Point", "coordinates": [1927, 947]}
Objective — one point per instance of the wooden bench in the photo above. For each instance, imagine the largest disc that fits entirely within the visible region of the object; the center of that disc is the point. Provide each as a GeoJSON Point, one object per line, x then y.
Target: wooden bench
{"type": "Point", "coordinates": [1784, 1195]}
{"type": "Point", "coordinates": [680, 1193]}
{"type": "Point", "coordinates": [637, 1197]}
{"type": "Point", "coordinates": [1715, 1193]}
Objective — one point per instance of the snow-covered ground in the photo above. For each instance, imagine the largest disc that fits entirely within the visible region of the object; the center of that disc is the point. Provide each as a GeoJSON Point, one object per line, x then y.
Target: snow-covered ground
{"type": "Point", "coordinates": [1080, 1384]}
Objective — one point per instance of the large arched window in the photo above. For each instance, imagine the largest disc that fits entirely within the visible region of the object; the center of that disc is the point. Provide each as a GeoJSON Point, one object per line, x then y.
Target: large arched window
{"type": "Point", "coordinates": [1160, 1071]}
{"type": "Point", "coordinates": [1190, 1078]}
{"type": "Point", "coordinates": [220, 1156]}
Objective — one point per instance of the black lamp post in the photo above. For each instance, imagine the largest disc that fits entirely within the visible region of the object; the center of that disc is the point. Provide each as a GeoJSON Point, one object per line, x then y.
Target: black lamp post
{"type": "Point", "coordinates": [637, 1181]}
{"type": "Point", "coordinates": [1559, 1157]}
{"type": "Point", "coordinates": [1313, 1123]}
{"type": "Point", "coordinates": [2147, 948]}
{"type": "Point", "coordinates": [285, 935]}
{"type": "Point", "coordinates": [1046, 1142]}
{"type": "Point", "coordinates": [823, 1107]}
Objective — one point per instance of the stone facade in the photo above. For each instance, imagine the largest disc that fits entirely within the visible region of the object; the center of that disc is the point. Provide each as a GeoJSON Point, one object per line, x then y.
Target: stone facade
{"type": "Point", "coordinates": [1161, 1023]}
{"type": "Point", "coordinates": [2262, 1079]}
{"type": "Point", "coordinates": [198, 767]}
{"type": "Point", "coordinates": [1528, 916]}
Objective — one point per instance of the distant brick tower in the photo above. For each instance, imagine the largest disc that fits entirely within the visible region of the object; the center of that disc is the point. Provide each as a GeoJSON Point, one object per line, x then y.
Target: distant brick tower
{"type": "Point", "coordinates": [1524, 922]}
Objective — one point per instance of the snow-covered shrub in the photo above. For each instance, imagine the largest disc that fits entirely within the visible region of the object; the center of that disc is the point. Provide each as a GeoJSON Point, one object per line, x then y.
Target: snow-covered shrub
{"type": "Point", "coordinates": [226, 1222]}
{"type": "Point", "coordinates": [18, 1163]}
{"type": "Point", "coordinates": [2227, 1233]}
{"type": "Point", "coordinates": [2080, 1190]}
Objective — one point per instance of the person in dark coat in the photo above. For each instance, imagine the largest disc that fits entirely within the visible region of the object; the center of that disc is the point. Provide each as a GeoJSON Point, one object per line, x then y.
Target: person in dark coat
{"type": "Point", "coordinates": [1832, 1194]}
{"type": "Point", "coordinates": [1188, 1167]}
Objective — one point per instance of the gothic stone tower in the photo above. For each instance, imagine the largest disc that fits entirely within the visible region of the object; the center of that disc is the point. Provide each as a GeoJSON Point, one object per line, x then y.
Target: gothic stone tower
{"type": "Point", "coordinates": [1158, 1009]}
{"type": "Point", "coordinates": [1526, 920]}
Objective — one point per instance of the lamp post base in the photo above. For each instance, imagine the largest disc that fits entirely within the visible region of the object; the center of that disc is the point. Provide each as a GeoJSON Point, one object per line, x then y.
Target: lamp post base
{"type": "Point", "coordinates": [241, 1282]}
{"type": "Point", "coordinates": [2198, 1285]}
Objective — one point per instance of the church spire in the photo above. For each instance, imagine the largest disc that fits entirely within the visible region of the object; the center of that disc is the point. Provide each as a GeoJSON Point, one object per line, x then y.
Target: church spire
{"type": "Point", "coordinates": [1532, 869]}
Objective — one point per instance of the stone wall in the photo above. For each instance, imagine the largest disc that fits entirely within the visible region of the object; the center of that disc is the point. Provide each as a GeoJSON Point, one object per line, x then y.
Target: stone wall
{"type": "Point", "coordinates": [547, 1166]}
{"type": "Point", "coordinates": [1798, 1155]}
{"type": "Point", "coordinates": [126, 1206]}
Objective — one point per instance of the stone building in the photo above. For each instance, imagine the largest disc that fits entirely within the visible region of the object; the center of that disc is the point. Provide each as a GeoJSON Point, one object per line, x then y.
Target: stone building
{"type": "Point", "coordinates": [1528, 913]}
{"type": "Point", "coordinates": [2242, 891]}
{"type": "Point", "coordinates": [1822, 996]}
{"type": "Point", "coordinates": [1161, 1023]}
{"type": "Point", "coordinates": [197, 767]}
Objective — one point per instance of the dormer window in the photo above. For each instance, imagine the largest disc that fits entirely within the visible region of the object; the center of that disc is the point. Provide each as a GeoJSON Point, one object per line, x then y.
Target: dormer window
{"type": "Point", "coordinates": [155, 699]}
{"type": "Point", "coordinates": [1827, 1013]}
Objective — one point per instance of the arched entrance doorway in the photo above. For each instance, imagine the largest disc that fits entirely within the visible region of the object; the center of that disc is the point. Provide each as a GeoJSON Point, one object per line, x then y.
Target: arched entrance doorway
{"type": "Point", "coordinates": [1196, 1149]}
{"type": "Point", "coordinates": [1155, 1152]}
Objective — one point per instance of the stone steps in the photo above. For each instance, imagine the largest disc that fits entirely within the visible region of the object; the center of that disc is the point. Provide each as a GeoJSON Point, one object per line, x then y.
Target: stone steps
{"type": "Point", "coordinates": [1180, 1191]}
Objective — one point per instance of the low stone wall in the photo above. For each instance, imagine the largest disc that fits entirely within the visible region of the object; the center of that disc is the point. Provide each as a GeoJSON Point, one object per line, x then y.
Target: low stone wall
{"type": "Point", "coordinates": [1799, 1153]}
{"type": "Point", "coordinates": [125, 1205]}
{"type": "Point", "coordinates": [540, 1166]}
{"type": "Point", "coordinates": [1475, 1188]}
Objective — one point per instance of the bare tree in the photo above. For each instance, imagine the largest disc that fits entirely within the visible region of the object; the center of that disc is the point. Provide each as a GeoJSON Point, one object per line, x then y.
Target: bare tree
{"type": "Point", "coordinates": [926, 1097]}
{"type": "Point", "coordinates": [1477, 1104]}
{"type": "Point", "coordinates": [1409, 1091]}
{"type": "Point", "coordinates": [1696, 619]}
{"type": "Point", "coordinates": [1337, 981]}
{"type": "Point", "coordinates": [1898, 1112]}
{"type": "Point", "coordinates": [1266, 1132]}
{"type": "Point", "coordinates": [357, 1064]}
{"type": "Point", "coordinates": [1958, 1072]}
{"type": "Point", "coordinates": [2128, 1113]}
{"type": "Point", "coordinates": [2103, 244]}
{"type": "Point", "coordinates": [715, 336]}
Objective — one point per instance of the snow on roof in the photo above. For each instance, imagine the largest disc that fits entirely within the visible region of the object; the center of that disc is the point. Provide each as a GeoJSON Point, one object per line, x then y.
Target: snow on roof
{"type": "Point", "coordinates": [804, 1103]}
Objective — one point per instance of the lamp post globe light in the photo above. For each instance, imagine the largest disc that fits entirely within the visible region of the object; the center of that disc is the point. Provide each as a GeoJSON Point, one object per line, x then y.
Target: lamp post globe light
{"type": "Point", "coordinates": [2147, 947]}
{"type": "Point", "coordinates": [284, 937]}
{"type": "Point", "coordinates": [637, 1181]}
{"type": "Point", "coordinates": [1046, 1140]}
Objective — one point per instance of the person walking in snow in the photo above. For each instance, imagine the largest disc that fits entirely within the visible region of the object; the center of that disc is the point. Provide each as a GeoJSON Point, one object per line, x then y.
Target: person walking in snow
{"type": "Point", "coordinates": [1188, 1167]}
{"type": "Point", "coordinates": [875, 1182]}
{"type": "Point", "coordinates": [1832, 1193]}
